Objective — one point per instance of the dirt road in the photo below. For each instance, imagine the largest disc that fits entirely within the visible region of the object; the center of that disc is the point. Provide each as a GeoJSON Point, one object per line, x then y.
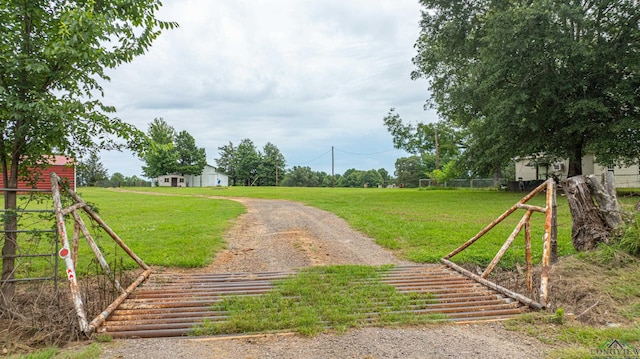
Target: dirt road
{"type": "Point", "coordinates": [279, 235]}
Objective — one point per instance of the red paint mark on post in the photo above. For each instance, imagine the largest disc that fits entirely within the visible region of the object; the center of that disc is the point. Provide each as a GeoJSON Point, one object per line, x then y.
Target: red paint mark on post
{"type": "Point", "coordinates": [64, 253]}
{"type": "Point", "coordinates": [70, 274]}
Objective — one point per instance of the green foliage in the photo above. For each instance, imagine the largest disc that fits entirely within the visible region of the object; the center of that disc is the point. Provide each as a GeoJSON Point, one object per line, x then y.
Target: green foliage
{"type": "Point", "coordinates": [172, 152]}
{"type": "Point", "coordinates": [90, 171]}
{"type": "Point", "coordinates": [191, 159]}
{"type": "Point", "coordinates": [301, 176]}
{"type": "Point", "coordinates": [246, 165]}
{"type": "Point", "coordinates": [448, 172]}
{"type": "Point", "coordinates": [227, 161]}
{"type": "Point", "coordinates": [409, 171]}
{"type": "Point", "coordinates": [247, 162]}
{"type": "Point", "coordinates": [272, 165]}
{"type": "Point", "coordinates": [543, 76]}
{"type": "Point", "coordinates": [339, 297]}
{"type": "Point", "coordinates": [629, 241]}
{"type": "Point", "coordinates": [558, 316]}
{"type": "Point", "coordinates": [53, 55]}
{"type": "Point", "coordinates": [424, 138]}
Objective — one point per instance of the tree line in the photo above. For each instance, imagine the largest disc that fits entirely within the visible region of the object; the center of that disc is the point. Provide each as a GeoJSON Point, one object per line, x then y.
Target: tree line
{"type": "Point", "coordinates": [92, 173]}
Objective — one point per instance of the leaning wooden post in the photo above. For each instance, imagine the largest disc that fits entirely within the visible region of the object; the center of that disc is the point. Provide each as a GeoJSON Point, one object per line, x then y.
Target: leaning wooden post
{"type": "Point", "coordinates": [506, 214]}
{"type": "Point", "coordinates": [546, 251]}
{"type": "Point", "coordinates": [554, 228]}
{"type": "Point", "coordinates": [507, 244]}
{"type": "Point", "coordinates": [65, 253]}
{"type": "Point", "coordinates": [76, 240]}
{"type": "Point", "coordinates": [527, 249]}
{"type": "Point", "coordinates": [96, 251]}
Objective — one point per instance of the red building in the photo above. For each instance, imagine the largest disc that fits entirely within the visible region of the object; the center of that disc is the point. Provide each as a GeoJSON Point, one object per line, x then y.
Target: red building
{"type": "Point", "coordinates": [64, 167]}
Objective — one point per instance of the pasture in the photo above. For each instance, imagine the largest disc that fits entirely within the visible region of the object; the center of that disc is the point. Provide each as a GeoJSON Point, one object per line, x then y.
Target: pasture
{"type": "Point", "coordinates": [421, 226]}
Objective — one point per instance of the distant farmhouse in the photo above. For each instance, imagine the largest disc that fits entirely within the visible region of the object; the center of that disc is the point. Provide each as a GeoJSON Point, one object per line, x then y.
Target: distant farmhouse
{"type": "Point", "coordinates": [527, 169]}
{"type": "Point", "coordinates": [210, 177]}
{"type": "Point", "coordinates": [64, 167]}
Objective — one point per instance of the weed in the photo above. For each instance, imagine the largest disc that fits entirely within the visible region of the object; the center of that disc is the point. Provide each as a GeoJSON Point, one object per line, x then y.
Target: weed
{"type": "Point", "coordinates": [630, 239]}
{"type": "Point", "coordinates": [338, 297]}
{"type": "Point", "coordinates": [103, 338]}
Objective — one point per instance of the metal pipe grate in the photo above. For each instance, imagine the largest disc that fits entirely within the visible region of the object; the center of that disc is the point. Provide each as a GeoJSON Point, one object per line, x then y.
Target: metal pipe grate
{"type": "Point", "coordinates": [172, 304]}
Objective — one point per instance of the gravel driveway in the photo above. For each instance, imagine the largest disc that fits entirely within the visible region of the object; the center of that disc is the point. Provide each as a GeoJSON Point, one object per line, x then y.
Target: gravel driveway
{"type": "Point", "coordinates": [280, 235]}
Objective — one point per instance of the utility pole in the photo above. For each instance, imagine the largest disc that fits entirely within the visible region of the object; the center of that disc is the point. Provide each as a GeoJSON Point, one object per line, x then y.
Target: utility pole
{"type": "Point", "coordinates": [276, 171]}
{"type": "Point", "coordinates": [333, 177]}
{"type": "Point", "coordinates": [437, 153]}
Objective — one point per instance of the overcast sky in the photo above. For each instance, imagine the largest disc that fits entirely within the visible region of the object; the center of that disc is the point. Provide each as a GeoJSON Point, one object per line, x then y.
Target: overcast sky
{"type": "Point", "coordinates": [303, 75]}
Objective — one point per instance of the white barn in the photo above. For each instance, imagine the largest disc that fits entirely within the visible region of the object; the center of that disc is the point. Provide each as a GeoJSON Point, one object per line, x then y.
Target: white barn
{"type": "Point", "coordinates": [171, 181]}
{"type": "Point", "coordinates": [210, 177]}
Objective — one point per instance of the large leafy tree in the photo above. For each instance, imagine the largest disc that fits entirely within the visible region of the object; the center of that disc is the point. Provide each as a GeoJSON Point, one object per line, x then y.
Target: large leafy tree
{"type": "Point", "coordinates": [409, 170]}
{"type": "Point", "coordinates": [272, 165]}
{"type": "Point", "coordinates": [227, 162]}
{"type": "Point", "coordinates": [191, 159]}
{"type": "Point", "coordinates": [90, 171]}
{"type": "Point", "coordinates": [301, 176]}
{"type": "Point", "coordinates": [172, 152]}
{"type": "Point", "coordinates": [162, 157]}
{"type": "Point", "coordinates": [424, 138]}
{"type": "Point", "coordinates": [537, 76]}
{"type": "Point", "coordinates": [251, 167]}
{"type": "Point", "coordinates": [53, 55]}
{"type": "Point", "coordinates": [248, 161]}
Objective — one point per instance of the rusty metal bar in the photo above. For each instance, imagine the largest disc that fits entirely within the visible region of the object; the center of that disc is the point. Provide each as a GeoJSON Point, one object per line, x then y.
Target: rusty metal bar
{"type": "Point", "coordinates": [507, 244]}
{"type": "Point", "coordinates": [499, 219]}
{"type": "Point", "coordinates": [65, 253]}
{"type": "Point", "coordinates": [96, 251]}
{"type": "Point", "coordinates": [546, 249]}
{"type": "Point", "coordinates": [109, 231]}
{"type": "Point", "coordinates": [519, 297]}
{"type": "Point", "coordinates": [176, 311]}
{"type": "Point", "coordinates": [95, 323]}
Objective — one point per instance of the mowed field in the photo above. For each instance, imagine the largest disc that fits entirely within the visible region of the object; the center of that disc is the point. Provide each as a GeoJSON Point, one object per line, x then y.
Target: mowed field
{"type": "Point", "coordinates": [422, 226]}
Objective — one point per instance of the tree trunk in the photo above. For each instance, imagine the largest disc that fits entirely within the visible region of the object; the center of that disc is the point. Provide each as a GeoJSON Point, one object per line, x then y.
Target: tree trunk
{"type": "Point", "coordinates": [589, 224]}
{"type": "Point", "coordinates": [575, 163]}
{"type": "Point", "coordinates": [606, 198]}
{"type": "Point", "coordinates": [9, 248]}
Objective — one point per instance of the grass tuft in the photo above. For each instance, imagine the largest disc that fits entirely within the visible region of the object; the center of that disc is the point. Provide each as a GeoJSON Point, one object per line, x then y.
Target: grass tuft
{"type": "Point", "coordinates": [337, 297]}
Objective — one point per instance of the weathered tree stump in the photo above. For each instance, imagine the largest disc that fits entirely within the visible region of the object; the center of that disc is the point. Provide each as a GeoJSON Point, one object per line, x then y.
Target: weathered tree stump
{"type": "Point", "coordinates": [592, 221]}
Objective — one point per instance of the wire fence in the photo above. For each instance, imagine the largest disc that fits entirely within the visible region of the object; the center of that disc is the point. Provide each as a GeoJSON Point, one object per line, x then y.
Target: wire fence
{"type": "Point", "coordinates": [462, 183]}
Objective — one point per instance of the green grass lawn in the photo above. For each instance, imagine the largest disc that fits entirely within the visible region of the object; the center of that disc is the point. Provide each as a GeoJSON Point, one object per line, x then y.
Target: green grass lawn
{"type": "Point", "coordinates": [422, 226]}
{"type": "Point", "coordinates": [163, 231]}
{"type": "Point", "coordinates": [166, 231]}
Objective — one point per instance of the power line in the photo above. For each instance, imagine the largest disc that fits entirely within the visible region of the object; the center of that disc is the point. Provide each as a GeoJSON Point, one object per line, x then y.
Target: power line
{"type": "Point", "coordinates": [366, 154]}
{"type": "Point", "coordinates": [315, 159]}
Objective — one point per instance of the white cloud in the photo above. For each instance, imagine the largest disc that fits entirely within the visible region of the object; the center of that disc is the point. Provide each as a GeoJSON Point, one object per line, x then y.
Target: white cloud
{"type": "Point", "coordinates": [303, 75]}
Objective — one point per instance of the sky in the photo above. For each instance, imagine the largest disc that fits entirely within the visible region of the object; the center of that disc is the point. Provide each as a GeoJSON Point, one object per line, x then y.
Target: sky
{"type": "Point", "coordinates": [302, 75]}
